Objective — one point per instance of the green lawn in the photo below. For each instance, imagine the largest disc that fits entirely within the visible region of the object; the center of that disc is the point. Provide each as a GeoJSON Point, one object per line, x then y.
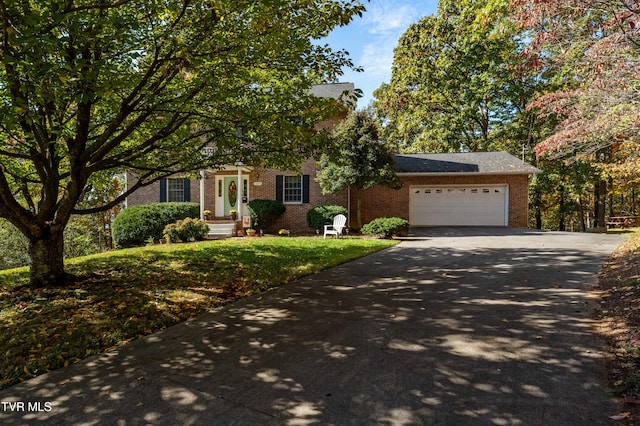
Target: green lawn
{"type": "Point", "coordinates": [126, 294]}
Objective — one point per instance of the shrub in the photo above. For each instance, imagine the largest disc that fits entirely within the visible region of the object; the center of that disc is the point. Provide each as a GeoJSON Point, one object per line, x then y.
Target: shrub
{"type": "Point", "coordinates": [186, 230]}
{"type": "Point", "coordinates": [136, 224]}
{"type": "Point", "coordinates": [319, 216]}
{"type": "Point", "coordinates": [264, 213]}
{"type": "Point", "coordinates": [14, 250]}
{"type": "Point", "coordinates": [386, 227]}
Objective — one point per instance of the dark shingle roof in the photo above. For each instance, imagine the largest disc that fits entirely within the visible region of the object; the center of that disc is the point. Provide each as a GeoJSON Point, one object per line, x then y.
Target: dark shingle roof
{"type": "Point", "coordinates": [462, 162]}
{"type": "Point", "coordinates": [333, 90]}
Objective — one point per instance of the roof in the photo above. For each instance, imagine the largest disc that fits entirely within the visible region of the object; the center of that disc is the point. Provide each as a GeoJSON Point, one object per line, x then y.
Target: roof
{"type": "Point", "coordinates": [333, 90]}
{"type": "Point", "coordinates": [500, 163]}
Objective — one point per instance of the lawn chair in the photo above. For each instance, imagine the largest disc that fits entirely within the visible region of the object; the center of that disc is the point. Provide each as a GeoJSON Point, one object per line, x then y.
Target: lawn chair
{"type": "Point", "coordinates": [337, 227]}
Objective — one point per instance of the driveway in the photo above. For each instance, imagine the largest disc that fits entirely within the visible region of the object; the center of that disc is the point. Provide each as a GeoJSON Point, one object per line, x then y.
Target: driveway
{"type": "Point", "coordinates": [450, 327]}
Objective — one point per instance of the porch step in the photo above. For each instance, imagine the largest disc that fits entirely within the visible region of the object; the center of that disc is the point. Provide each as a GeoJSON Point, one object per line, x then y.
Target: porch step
{"type": "Point", "coordinates": [222, 229]}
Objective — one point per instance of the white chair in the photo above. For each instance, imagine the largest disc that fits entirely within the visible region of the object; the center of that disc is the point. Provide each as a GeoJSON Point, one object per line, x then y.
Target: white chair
{"type": "Point", "coordinates": [337, 227]}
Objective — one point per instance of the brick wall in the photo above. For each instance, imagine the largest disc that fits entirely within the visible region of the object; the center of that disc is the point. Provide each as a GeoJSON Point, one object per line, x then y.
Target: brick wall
{"type": "Point", "coordinates": [151, 193]}
{"type": "Point", "coordinates": [295, 217]}
{"type": "Point", "coordinates": [380, 201]}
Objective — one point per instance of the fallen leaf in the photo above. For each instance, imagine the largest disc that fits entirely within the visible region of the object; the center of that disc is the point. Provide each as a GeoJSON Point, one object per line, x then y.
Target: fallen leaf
{"type": "Point", "coordinates": [620, 416]}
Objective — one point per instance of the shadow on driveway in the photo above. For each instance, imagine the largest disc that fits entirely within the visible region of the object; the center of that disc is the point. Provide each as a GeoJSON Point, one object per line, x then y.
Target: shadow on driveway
{"type": "Point", "coordinates": [461, 327]}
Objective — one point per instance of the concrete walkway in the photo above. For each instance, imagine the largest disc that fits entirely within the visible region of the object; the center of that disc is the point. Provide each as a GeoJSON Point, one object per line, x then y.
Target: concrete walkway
{"type": "Point", "coordinates": [451, 327]}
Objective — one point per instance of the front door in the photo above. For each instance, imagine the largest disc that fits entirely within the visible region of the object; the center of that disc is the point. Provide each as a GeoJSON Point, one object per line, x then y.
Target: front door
{"type": "Point", "coordinates": [227, 189]}
{"type": "Point", "coordinates": [230, 191]}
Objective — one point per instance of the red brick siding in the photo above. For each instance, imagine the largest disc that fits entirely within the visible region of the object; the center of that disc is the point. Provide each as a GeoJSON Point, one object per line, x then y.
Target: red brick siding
{"type": "Point", "coordinates": [151, 193]}
{"type": "Point", "coordinates": [380, 201]}
{"type": "Point", "coordinates": [295, 217]}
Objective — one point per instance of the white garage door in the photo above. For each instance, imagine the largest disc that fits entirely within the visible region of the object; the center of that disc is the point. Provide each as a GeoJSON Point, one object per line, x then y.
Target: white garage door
{"type": "Point", "coordinates": [458, 205]}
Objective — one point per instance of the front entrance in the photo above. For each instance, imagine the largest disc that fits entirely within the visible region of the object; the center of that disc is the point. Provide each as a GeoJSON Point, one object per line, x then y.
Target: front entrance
{"type": "Point", "coordinates": [227, 190]}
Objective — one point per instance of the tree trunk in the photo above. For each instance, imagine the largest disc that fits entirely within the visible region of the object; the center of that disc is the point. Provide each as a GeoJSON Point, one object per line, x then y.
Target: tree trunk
{"type": "Point", "coordinates": [47, 260]}
{"type": "Point", "coordinates": [583, 222]}
{"type": "Point", "coordinates": [600, 197]}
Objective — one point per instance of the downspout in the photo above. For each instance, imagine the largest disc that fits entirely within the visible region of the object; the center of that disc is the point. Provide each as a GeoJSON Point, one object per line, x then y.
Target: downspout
{"type": "Point", "coordinates": [349, 204]}
{"type": "Point", "coordinates": [201, 174]}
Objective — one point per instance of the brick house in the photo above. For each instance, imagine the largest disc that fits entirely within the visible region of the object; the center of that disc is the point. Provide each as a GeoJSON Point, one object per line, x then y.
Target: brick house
{"type": "Point", "coordinates": [230, 189]}
{"type": "Point", "coordinates": [459, 189]}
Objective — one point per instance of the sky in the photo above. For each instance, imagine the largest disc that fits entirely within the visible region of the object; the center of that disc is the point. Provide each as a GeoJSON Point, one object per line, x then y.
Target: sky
{"type": "Point", "coordinates": [370, 40]}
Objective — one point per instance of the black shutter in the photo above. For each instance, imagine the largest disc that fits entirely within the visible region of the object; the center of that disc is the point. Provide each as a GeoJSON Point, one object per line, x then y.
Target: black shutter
{"type": "Point", "coordinates": [163, 190]}
{"type": "Point", "coordinates": [280, 188]}
{"type": "Point", "coordinates": [187, 190]}
{"type": "Point", "coordinates": [305, 188]}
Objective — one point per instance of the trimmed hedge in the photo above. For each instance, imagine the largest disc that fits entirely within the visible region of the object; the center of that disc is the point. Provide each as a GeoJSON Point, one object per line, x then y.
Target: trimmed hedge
{"type": "Point", "coordinates": [136, 224]}
{"type": "Point", "coordinates": [264, 213]}
{"type": "Point", "coordinates": [386, 227]}
{"type": "Point", "coordinates": [319, 216]}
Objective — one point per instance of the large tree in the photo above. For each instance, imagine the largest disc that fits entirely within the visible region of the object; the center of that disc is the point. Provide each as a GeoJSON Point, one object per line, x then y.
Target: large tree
{"type": "Point", "coordinates": [595, 46]}
{"type": "Point", "coordinates": [360, 160]}
{"type": "Point", "coordinates": [454, 81]}
{"type": "Point", "coordinates": [92, 87]}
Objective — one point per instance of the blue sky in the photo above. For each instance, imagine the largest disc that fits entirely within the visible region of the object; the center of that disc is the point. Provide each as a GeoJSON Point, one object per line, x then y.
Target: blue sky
{"type": "Point", "coordinates": [370, 40]}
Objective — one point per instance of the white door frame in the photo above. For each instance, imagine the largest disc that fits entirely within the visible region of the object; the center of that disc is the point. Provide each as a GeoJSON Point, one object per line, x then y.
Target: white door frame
{"type": "Point", "coordinates": [220, 192]}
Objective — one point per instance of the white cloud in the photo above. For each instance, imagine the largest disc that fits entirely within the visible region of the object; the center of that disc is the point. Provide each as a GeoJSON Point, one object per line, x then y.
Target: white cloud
{"type": "Point", "coordinates": [377, 57]}
{"type": "Point", "coordinates": [384, 17]}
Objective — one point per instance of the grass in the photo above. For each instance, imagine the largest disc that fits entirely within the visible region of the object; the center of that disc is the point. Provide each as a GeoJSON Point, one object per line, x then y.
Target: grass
{"type": "Point", "coordinates": [126, 294]}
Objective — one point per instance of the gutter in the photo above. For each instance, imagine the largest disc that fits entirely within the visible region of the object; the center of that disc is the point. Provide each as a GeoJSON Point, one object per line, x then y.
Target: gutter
{"type": "Point", "coordinates": [470, 173]}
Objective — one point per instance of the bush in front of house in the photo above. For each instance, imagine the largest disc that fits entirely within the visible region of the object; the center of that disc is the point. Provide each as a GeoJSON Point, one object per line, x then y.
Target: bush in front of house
{"type": "Point", "coordinates": [186, 230]}
{"type": "Point", "coordinates": [319, 216]}
{"type": "Point", "coordinates": [264, 213]}
{"type": "Point", "coordinates": [386, 227]}
{"type": "Point", "coordinates": [137, 224]}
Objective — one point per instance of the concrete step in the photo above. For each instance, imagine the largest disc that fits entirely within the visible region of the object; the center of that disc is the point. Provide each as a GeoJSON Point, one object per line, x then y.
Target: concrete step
{"type": "Point", "coordinates": [222, 229]}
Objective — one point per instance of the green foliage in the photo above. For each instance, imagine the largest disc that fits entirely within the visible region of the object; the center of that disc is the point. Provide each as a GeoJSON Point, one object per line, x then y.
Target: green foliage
{"type": "Point", "coordinates": [264, 213]}
{"type": "Point", "coordinates": [385, 227]}
{"type": "Point", "coordinates": [81, 238]}
{"type": "Point", "coordinates": [360, 160]}
{"type": "Point", "coordinates": [134, 225]}
{"type": "Point", "coordinates": [92, 88]}
{"type": "Point", "coordinates": [319, 216]}
{"type": "Point", "coordinates": [561, 195]}
{"type": "Point", "coordinates": [14, 249]}
{"type": "Point", "coordinates": [453, 84]}
{"type": "Point", "coordinates": [186, 230]}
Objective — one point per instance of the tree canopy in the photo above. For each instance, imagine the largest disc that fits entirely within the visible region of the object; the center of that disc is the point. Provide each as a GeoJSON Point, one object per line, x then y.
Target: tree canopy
{"type": "Point", "coordinates": [594, 45]}
{"type": "Point", "coordinates": [92, 87]}
{"type": "Point", "coordinates": [453, 84]}
{"type": "Point", "coordinates": [360, 159]}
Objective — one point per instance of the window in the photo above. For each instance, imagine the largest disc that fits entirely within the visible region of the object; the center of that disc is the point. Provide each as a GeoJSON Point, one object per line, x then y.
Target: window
{"type": "Point", "coordinates": [172, 189]}
{"type": "Point", "coordinates": [292, 189]}
{"type": "Point", "coordinates": [175, 190]}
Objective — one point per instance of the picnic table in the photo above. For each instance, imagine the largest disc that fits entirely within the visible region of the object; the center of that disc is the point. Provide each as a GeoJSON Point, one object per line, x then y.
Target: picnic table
{"type": "Point", "coordinates": [621, 221]}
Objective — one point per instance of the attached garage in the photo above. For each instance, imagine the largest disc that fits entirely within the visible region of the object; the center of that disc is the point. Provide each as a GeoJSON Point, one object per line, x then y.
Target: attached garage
{"type": "Point", "coordinates": [461, 205]}
{"type": "Point", "coordinates": [454, 189]}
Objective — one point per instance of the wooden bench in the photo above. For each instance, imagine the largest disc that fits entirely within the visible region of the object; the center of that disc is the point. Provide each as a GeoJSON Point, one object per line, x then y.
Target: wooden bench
{"type": "Point", "coordinates": [621, 221]}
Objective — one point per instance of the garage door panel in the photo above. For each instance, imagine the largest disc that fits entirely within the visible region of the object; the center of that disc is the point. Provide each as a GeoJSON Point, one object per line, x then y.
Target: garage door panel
{"type": "Point", "coordinates": [458, 206]}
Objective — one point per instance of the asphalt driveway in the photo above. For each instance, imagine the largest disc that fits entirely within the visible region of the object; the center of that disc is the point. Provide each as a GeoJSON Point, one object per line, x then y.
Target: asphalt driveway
{"type": "Point", "coordinates": [451, 327]}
